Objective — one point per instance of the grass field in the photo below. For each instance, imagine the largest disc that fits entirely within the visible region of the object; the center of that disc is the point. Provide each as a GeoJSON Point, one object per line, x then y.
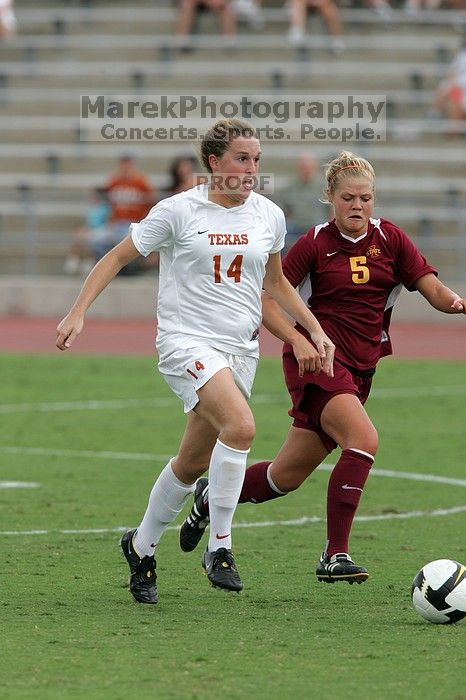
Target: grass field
{"type": "Point", "coordinates": [94, 432]}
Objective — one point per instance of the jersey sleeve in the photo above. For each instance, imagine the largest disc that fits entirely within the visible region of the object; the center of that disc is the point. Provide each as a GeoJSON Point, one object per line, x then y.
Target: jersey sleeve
{"type": "Point", "coordinates": [411, 264]}
{"type": "Point", "coordinates": [280, 230]}
{"type": "Point", "coordinates": [299, 261]}
{"type": "Point", "coordinates": [157, 230]}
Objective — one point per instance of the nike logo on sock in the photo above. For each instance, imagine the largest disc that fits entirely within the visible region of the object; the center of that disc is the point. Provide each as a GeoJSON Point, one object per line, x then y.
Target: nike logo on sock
{"type": "Point", "coordinates": [222, 537]}
{"type": "Point", "coordinates": [351, 488]}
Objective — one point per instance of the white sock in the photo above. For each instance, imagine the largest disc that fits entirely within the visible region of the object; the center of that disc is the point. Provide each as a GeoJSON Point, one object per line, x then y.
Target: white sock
{"type": "Point", "coordinates": [226, 475]}
{"type": "Point", "coordinates": [166, 500]}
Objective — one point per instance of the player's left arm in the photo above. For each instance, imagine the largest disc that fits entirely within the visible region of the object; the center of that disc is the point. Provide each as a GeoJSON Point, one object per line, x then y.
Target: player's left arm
{"type": "Point", "coordinates": [439, 296]}
{"type": "Point", "coordinates": [276, 284]}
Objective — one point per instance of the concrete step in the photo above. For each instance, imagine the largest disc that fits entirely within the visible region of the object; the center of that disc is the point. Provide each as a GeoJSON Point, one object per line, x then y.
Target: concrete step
{"type": "Point", "coordinates": [382, 69]}
{"type": "Point", "coordinates": [49, 162]}
{"type": "Point", "coordinates": [268, 53]}
{"type": "Point", "coordinates": [399, 103]}
{"type": "Point", "coordinates": [66, 19]}
{"type": "Point", "coordinates": [44, 99]}
{"type": "Point", "coordinates": [35, 49]}
{"type": "Point", "coordinates": [381, 153]}
{"type": "Point", "coordinates": [282, 78]}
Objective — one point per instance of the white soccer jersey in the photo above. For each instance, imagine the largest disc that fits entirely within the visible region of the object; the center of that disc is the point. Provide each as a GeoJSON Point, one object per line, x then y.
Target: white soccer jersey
{"type": "Point", "coordinates": [212, 265]}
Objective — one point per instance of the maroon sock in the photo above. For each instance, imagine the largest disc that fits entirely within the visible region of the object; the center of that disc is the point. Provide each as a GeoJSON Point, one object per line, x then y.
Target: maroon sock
{"type": "Point", "coordinates": [344, 492]}
{"type": "Point", "coordinates": [256, 487]}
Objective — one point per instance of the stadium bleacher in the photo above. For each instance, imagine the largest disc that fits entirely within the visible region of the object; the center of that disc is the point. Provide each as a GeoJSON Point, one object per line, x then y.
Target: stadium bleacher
{"type": "Point", "coordinates": [64, 50]}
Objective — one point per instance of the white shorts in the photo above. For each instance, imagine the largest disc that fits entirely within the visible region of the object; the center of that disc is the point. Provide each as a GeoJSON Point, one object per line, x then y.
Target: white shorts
{"type": "Point", "coordinates": [186, 370]}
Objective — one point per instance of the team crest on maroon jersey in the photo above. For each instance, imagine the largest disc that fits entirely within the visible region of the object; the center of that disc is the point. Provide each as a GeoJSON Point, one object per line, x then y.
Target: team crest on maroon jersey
{"type": "Point", "coordinates": [373, 251]}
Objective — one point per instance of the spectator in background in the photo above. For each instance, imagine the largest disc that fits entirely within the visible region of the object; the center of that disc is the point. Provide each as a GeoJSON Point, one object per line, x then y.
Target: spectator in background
{"type": "Point", "coordinates": [131, 196]}
{"type": "Point", "coordinates": [249, 11]}
{"type": "Point", "coordinates": [187, 14]}
{"type": "Point", "coordinates": [8, 23]}
{"type": "Point", "coordinates": [182, 174]}
{"type": "Point", "coordinates": [330, 13]}
{"type": "Point", "coordinates": [300, 200]}
{"type": "Point", "coordinates": [450, 97]}
{"type": "Point", "coordinates": [92, 240]}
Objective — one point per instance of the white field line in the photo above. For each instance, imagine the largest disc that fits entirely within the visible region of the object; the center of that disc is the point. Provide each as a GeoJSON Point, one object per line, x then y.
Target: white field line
{"type": "Point", "coordinates": [120, 404]}
{"type": "Point", "coordinates": [298, 522]}
{"type": "Point", "coordinates": [19, 485]}
{"type": "Point", "coordinates": [305, 520]}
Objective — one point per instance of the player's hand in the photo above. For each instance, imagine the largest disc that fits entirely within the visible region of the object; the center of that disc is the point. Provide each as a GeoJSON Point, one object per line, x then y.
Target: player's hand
{"type": "Point", "coordinates": [68, 330]}
{"type": "Point", "coordinates": [326, 351]}
{"type": "Point", "coordinates": [306, 355]}
{"type": "Point", "coordinates": [459, 305]}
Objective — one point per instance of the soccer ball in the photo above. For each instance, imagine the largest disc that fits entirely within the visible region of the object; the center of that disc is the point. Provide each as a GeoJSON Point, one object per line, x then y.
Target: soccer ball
{"type": "Point", "coordinates": [439, 591]}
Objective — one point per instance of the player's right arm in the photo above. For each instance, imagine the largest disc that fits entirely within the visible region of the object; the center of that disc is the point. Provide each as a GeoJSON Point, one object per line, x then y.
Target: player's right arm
{"type": "Point", "coordinates": [100, 276]}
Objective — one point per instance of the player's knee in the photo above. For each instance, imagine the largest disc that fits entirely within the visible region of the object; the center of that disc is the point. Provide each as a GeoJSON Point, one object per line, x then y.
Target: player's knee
{"type": "Point", "coordinates": [365, 439]}
{"type": "Point", "coordinates": [369, 442]}
{"type": "Point", "coordinates": [240, 433]}
{"type": "Point", "coordinates": [246, 431]}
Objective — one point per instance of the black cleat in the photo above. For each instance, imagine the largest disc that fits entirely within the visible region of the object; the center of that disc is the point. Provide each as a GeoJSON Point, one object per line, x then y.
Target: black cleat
{"type": "Point", "coordinates": [221, 570]}
{"type": "Point", "coordinates": [143, 579]}
{"type": "Point", "coordinates": [195, 524]}
{"type": "Point", "coordinates": [340, 567]}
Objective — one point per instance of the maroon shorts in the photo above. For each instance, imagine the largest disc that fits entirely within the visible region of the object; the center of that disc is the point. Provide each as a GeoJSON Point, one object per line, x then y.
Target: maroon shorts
{"type": "Point", "coordinates": [311, 393]}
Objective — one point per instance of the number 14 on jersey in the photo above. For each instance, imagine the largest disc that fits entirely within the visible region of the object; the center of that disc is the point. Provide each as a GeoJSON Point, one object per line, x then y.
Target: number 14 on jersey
{"type": "Point", "coordinates": [233, 271]}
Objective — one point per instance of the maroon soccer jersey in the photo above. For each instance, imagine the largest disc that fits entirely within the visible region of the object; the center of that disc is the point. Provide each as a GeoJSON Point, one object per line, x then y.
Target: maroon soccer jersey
{"type": "Point", "coordinates": [351, 286]}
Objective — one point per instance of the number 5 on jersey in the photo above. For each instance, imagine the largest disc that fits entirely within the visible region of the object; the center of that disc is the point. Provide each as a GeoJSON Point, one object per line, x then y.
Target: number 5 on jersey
{"type": "Point", "coordinates": [234, 270]}
{"type": "Point", "coordinates": [359, 269]}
